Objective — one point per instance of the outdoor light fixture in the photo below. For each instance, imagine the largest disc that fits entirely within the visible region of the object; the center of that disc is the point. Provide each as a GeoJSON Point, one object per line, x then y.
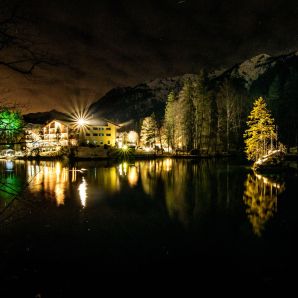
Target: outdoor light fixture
{"type": "Point", "coordinates": [80, 118]}
{"type": "Point", "coordinates": [81, 122]}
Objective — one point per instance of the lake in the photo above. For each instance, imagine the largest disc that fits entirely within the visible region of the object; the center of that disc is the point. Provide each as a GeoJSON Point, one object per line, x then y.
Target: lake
{"type": "Point", "coordinates": [164, 216]}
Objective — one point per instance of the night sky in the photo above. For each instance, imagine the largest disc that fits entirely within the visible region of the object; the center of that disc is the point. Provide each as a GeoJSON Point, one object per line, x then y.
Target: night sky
{"type": "Point", "coordinates": [108, 44]}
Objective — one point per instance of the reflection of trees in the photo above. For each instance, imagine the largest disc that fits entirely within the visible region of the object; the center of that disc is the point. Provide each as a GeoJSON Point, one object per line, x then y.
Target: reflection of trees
{"type": "Point", "coordinates": [177, 198]}
{"type": "Point", "coordinates": [149, 171]}
{"type": "Point", "coordinates": [106, 178]}
{"type": "Point", "coordinates": [10, 187]}
{"type": "Point", "coordinates": [129, 172]}
{"type": "Point", "coordinates": [172, 178]}
{"type": "Point", "coordinates": [260, 197]}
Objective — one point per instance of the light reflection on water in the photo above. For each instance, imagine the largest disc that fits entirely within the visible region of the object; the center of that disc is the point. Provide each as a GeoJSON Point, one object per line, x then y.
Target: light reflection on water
{"type": "Point", "coordinates": [188, 190]}
{"type": "Point", "coordinates": [260, 197]}
{"type": "Point", "coordinates": [83, 192]}
{"type": "Point", "coordinates": [49, 177]}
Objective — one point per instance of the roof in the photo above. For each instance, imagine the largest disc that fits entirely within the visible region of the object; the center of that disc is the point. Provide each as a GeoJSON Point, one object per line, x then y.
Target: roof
{"type": "Point", "coordinates": [91, 122]}
{"type": "Point", "coordinates": [33, 125]}
{"type": "Point", "coordinates": [101, 121]}
{"type": "Point", "coordinates": [66, 123]}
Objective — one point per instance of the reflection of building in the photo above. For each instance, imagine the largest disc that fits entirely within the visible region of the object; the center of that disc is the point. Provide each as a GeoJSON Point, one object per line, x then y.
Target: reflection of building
{"type": "Point", "coordinates": [50, 177]}
{"type": "Point", "coordinates": [99, 132]}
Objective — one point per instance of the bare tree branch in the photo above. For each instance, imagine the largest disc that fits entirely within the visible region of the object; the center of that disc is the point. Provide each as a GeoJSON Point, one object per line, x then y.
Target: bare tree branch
{"type": "Point", "coordinates": [20, 50]}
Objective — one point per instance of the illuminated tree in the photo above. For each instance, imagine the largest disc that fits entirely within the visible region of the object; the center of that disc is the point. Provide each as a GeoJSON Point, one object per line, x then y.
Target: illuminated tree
{"type": "Point", "coordinates": [261, 134]}
{"type": "Point", "coordinates": [187, 115]}
{"type": "Point", "coordinates": [170, 120]}
{"type": "Point", "coordinates": [11, 125]}
{"type": "Point", "coordinates": [149, 131]}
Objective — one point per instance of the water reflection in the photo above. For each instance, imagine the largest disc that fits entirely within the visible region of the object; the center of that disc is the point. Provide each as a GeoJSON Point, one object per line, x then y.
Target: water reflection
{"type": "Point", "coordinates": [260, 197]}
{"type": "Point", "coordinates": [49, 177]}
{"type": "Point", "coordinates": [184, 190]}
{"type": "Point", "coordinates": [10, 187]}
{"type": "Point", "coordinates": [83, 192]}
{"type": "Point", "coordinates": [132, 176]}
{"type": "Point", "coordinates": [9, 165]}
{"type": "Point", "coordinates": [105, 179]}
{"type": "Point", "coordinates": [174, 182]}
{"type": "Point", "coordinates": [129, 172]}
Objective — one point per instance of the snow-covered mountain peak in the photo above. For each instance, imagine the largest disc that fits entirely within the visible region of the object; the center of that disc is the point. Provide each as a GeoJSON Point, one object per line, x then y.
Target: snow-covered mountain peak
{"type": "Point", "coordinates": [162, 87]}
{"type": "Point", "coordinates": [258, 59]}
{"type": "Point", "coordinates": [252, 68]}
{"type": "Point", "coordinates": [172, 81]}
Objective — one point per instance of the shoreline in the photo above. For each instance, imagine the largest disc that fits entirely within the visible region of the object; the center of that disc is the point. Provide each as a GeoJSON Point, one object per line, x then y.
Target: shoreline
{"type": "Point", "coordinates": [131, 156]}
{"type": "Point", "coordinates": [289, 157]}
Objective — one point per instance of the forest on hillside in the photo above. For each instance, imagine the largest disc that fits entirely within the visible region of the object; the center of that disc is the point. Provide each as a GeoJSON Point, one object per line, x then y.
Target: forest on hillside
{"type": "Point", "coordinates": [211, 117]}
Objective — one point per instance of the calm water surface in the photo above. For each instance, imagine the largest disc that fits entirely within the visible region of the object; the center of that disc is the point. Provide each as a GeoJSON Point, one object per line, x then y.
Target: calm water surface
{"type": "Point", "coordinates": [161, 215]}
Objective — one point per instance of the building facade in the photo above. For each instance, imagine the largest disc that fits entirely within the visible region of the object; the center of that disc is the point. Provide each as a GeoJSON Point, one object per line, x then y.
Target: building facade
{"type": "Point", "coordinates": [58, 133]}
{"type": "Point", "coordinates": [99, 133]}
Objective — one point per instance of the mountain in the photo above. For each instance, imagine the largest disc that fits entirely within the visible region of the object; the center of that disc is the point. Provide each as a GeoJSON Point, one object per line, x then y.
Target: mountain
{"type": "Point", "coordinates": [256, 68]}
{"type": "Point", "coordinates": [134, 103]}
{"type": "Point", "coordinates": [43, 117]}
{"type": "Point", "coordinates": [251, 69]}
{"type": "Point", "coordinates": [131, 104]}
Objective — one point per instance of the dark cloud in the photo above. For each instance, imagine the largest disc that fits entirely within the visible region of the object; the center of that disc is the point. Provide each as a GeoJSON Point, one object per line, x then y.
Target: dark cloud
{"type": "Point", "coordinates": [117, 43]}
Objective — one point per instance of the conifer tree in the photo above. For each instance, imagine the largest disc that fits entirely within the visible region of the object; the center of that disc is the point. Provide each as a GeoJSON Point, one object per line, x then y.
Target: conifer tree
{"type": "Point", "coordinates": [230, 111]}
{"type": "Point", "coordinates": [289, 110]}
{"type": "Point", "coordinates": [202, 111]}
{"type": "Point", "coordinates": [170, 120]}
{"type": "Point", "coordinates": [260, 135]}
{"type": "Point", "coordinates": [187, 117]}
{"type": "Point", "coordinates": [149, 131]}
{"type": "Point", "coordinates": [274, 95]}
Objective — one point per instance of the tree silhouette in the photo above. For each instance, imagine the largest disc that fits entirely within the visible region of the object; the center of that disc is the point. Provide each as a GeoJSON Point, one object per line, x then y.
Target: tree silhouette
{"type": "Point", "coordinates": [20, 48]}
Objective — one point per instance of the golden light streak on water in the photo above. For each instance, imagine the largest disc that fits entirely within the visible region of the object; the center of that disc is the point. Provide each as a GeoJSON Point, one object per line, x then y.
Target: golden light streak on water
{"type": "Point", "coordinates": [133, 176]}
{"type": "Point", "coordinates": [83, 192]}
